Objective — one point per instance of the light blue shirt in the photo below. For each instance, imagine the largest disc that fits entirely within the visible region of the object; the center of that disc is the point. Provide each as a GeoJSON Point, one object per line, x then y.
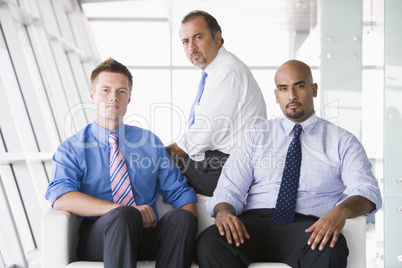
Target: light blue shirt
{"type": "Point", "coordinates": [333, 161]}
{"type": "Point", "coordinates": [81, 163]}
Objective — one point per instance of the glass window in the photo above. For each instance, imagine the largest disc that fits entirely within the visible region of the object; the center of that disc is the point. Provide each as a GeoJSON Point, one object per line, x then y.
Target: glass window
{"type": "Point", "coordinates": [149, 98]}
{"type": "Point", "coordinates": [133, 43]}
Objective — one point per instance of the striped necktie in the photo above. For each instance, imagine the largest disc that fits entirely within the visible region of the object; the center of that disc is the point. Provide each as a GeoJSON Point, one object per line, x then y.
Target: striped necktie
{"type": "Point", "coordinates": [286, 203]}
{"type": "Point", "coordinates": [120, 182]}
{"type": "Point", "coordinates": [197, 98]}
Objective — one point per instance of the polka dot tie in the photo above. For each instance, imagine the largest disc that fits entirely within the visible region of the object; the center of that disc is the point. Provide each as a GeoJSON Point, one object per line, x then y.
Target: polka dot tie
{"type": "Point", "coordinates": [286, 203]}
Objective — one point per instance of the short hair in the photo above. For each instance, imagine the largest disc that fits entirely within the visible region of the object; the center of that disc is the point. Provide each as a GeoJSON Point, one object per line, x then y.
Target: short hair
{"type": "Point", "coordinates": [211, 21]}
{"type": "Point", "coordinates": [113, 66]}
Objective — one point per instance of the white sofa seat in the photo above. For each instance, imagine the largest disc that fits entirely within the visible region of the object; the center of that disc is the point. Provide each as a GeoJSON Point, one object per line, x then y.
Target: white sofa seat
{"type": "Point", "coordinates": [60, 238]}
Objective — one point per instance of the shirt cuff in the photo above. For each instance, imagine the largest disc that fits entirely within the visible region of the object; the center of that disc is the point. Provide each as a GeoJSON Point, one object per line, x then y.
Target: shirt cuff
{"type": "Point", "coordinates": [185, 198]}
{"type": "Point", "coordinates": [223, 197]}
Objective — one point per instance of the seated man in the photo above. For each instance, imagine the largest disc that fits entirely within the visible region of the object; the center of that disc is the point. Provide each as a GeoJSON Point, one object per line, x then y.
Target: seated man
{"type": "Point", "coordinates": [115, 198]}
{"type": "Point", "coordinates": [276, 198]}
{"type": "Point", "coordinates": [228, 101]}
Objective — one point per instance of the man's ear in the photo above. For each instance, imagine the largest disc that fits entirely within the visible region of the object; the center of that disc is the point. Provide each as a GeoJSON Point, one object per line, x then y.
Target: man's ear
{"type": "Point", "coordinates": [315, 89]}
{"type": "Point", "coordinates": [218, 38]}
{"type": "Point", "coordinates": [91, 94]}
{"type": "Point", "coordinates": [276, 95]}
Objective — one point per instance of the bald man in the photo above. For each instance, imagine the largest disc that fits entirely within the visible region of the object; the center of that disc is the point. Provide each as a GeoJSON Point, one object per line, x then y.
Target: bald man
{"type": "Point", "coordinates": [252, 223]}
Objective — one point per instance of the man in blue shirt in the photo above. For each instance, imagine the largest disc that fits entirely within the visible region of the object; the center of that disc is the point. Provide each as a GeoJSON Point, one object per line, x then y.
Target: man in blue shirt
{"type": "Point", "coordinates": [118, 234]}
{"type": "Point", "coordinates": [248, 197]}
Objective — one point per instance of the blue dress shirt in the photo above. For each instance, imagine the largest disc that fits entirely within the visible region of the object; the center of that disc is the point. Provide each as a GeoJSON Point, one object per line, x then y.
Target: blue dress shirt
{"type": "Point", "coordinates": [333, 161]}
{"type": "Point", "coordinates": [81, 163]}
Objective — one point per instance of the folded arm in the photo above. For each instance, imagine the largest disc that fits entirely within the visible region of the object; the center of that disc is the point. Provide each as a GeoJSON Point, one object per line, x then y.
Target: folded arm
{"type": "Point", "coordinates": [87, 206]}
{"type": "Point", "coordinates": [83, 204]}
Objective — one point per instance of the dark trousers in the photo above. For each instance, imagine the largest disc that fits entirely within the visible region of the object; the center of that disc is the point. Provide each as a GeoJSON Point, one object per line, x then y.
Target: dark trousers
{"type": "Point", "coordinates": [118, 239]}
{"type": "Point", "coordinates": [268, 242]}
{"type": "Point", "coordinates": [203, 175]}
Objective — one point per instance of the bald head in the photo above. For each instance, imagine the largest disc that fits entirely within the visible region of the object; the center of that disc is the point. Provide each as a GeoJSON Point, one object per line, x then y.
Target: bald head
{"type": "Point", "coordinates": [295, 90]}
{"type": "Point", "coordinates": [294, 66]}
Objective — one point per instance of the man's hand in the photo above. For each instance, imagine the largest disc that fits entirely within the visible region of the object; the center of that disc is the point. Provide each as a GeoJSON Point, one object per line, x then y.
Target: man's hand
{"type": "Point", "coordinates": [230, 225]}
{"type": "Point", "coordinates": [332, 223]}
{"type": "Point", "coordinates": [148, 216]}
{"type": "Point", "coordinates": [175, 150]}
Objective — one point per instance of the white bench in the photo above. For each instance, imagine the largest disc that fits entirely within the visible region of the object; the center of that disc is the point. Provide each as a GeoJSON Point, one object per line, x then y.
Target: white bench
{"type": "Point", "coordinates": [60, 237]}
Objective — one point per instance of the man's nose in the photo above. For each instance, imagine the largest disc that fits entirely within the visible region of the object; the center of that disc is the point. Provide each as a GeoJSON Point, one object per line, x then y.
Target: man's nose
{"type": "Point", "coordinates": [292, 94]}
{"type": "Point", "coordinates": [192, 46]}
{"type": "Point", "coordinates": [113, 95]}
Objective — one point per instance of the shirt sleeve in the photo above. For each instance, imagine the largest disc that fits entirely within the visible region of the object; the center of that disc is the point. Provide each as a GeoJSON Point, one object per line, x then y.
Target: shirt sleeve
{"type": "Point", "coordinates": [172, 185]}
{"type": "Point", "coordinates": [356, 172]}
{"type": "Point", "coordinates": [65, 174]}
{"type": "Point", "coordinates": [235, 180]}
{"type": "Point", "coordinates": [214, 114]}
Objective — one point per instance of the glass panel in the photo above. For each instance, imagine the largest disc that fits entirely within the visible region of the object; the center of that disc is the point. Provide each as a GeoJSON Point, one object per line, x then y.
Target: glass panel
{"type": "Point", "coordinates": [341, 63]}
{"type": "Point", "coordinates": [185, 84]}
{"type": "Point", "coordinates": [133, 43]}
{"type": "Point", "coordinates": [372, 115]}
{"type": "Point", "coordinates": [265, 79]}
{"type": "Point", "coordinates": [393, 134]}
{"type": "Point", "coordinates": [126, 9]}
{"type": "Point", "coordinates": [149, 100]}
{"type": "Point", "coordinates": [272, 47]}
{"type": "Point", "coordinates": [269, 48]}
{"type": "Point", "coordinates": [14, 124]}
{"type": "Point", "coordinates": [35, 96]}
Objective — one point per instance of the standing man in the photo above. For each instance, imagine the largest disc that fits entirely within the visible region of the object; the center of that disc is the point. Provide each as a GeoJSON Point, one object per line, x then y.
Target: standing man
{"type": "Point", "coordinates": [228, 101]}
{"type": "Point", "coordinates": [99, 174]}
{"type": "Point", "coordinates": [276, 198]}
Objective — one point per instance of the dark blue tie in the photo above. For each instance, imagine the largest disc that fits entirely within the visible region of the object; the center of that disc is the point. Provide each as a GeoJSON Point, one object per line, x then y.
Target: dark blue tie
{"type": "Point", "coordinates": [197, 98]}
{"type": "Point", "coordinates": [286, 203]}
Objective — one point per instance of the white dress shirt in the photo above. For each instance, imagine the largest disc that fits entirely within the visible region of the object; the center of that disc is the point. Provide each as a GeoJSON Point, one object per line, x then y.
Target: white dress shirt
{"type": "Point", "coordinates": [231, 102]}
{"type": "Point", "coordinates": [333, 160]}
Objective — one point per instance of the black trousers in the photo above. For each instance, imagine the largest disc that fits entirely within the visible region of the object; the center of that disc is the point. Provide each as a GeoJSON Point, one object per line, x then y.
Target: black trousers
{"type": "Point", "coordinates": [203, 175]}
{"type": "Point", "coordinates": [118, 239]}
{"type": "Point", "coordinates": [268, 242]}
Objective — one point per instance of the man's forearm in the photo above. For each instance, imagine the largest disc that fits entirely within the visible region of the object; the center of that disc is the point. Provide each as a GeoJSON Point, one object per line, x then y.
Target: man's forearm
{"type": "Point", "coordinates": [175, 150]}
{"type": "Point", "coordinates": [224, 207]}
{"type": "Point", "coordinates": [83, 205]}
{"type": "Point", "coordinates": [192, 207]}
{"type": "Point", "coordinates": [355, 206]}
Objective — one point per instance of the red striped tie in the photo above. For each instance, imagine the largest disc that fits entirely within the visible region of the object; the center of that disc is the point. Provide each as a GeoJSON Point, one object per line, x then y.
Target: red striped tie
{"type": "Point", "coordinates": [120, 182]}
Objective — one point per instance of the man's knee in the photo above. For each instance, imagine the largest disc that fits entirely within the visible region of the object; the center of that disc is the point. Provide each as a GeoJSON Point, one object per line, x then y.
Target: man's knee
{"type": "Point", "coordinates": [329, 257]}
{"type": "Point", "coordinates": [182, 219]}
{"type": "Point", "coordinates": [208, 241]}
{"type": "Point", "coordinates": [124, 217]}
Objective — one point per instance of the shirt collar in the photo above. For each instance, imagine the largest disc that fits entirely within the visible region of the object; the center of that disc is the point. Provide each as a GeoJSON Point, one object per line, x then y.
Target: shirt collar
{"type": "Point", "coordinates": [307, 125]}
{"type": "Point", "coordinates": [102, 134]}
{"type": "Point", "coordinates": [215, 63]}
